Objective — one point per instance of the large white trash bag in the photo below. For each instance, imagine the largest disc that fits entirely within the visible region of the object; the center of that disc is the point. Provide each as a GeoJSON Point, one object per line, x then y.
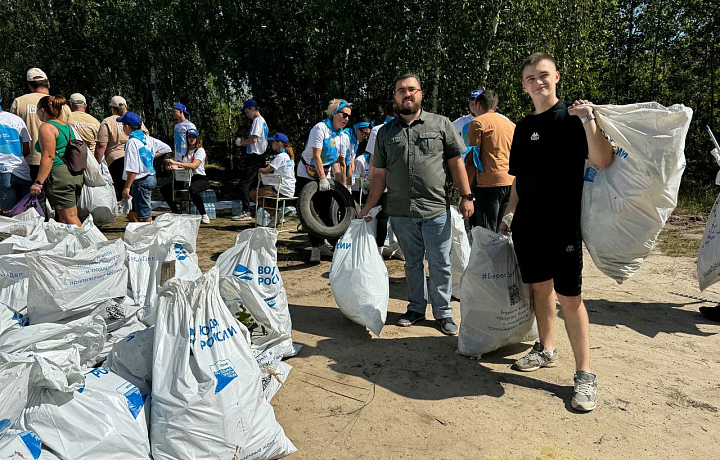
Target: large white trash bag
{"type": "Point", "coordinates": [165, 228]}
{"type": "Point", "coordinates": [106, 415]}
{"type": "Point", "coordinates": [359, 278]}
{"type": "Point", "coordinates": [20, 445]}
{"type": "Point", "coordinates": [99, 201]}
{"type": "Point", "coordinates": [13, 282]}
{"type": "Point", "coordinates": [132, 359]}
{"type": "Point", "coordinates": [87, 335]}
{"type": "Point", "coordinates": [708, 262]}
{"type": "Point", "coordinates": [88, 234]}
{"type": "Point", "coordinates": [62, 287]}
{"type": "Point", "coordinates": [14, 379]}
{"type": "Point", "coordinates": [25, 224]}
{"type": "Point", "coordinates": [10, 320]}
{"type": "Point", "coordinates": [207, 398]}
{"type": "Point", "coordinates": [460, 250]}
{"type": "Point", "coordinates": [252, 263]}
{"type": "Point", "coordinates": [495, 305]}
{"type": "Point", "coordinates": [625, 206]}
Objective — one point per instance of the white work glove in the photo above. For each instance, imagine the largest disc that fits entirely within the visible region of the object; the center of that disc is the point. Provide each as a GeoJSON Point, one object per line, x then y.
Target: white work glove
{"type": "Point", "coordinates": [237, 141]}
{"type": "Point", "coordinates": [324, 185]}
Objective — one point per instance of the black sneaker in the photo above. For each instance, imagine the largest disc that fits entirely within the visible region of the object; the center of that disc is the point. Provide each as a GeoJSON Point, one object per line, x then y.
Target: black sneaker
{"type": "Point", "coordinates": [410, 318]}
{"type": "Point", "coordinates": [711, 313]}
{"type": "Point", "coordinates": [447, 326]}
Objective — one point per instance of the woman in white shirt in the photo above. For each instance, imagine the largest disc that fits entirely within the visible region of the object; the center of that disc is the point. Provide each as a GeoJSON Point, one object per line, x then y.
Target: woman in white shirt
{"type": "Point", "coordinates": [194, 159]}
{"type": "Point", "coordinates": [281, 170]}
{"type": "Point", "coordinates": [326, 145]}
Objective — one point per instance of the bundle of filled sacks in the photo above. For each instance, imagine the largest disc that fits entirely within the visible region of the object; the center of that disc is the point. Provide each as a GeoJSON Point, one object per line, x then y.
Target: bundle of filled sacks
{"type": "Point", "coordinates": [81, 374]}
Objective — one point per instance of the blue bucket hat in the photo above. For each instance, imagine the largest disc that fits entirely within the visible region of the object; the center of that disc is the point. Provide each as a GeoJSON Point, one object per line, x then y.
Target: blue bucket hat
{"type": "Point", "coordinates": [279, 137]}
{"type": "Point", "coordinates": [131, 119]}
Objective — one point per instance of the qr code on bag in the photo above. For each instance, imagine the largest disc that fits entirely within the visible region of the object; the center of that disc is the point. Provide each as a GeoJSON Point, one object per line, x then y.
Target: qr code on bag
{"type": "Point", "coordinates": [514, 291]}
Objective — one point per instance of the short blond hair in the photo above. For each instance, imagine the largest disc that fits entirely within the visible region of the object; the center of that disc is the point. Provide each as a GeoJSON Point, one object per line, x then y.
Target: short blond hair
{"type": "Point", "coordinates": [334, 104]}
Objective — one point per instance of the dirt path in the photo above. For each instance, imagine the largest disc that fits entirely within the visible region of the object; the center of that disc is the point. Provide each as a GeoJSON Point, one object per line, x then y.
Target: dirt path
{"type": "Point", "coordinates": [407, 395]}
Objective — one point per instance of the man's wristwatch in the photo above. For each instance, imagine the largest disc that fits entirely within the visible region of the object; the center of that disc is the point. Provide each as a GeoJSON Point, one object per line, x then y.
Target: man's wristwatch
{"type": "Point", "coordinates": [588, 117]}
{"type": "Point", "coordinates": [469, 197]}
{"type": "Point", "coordinates": [38, 183]}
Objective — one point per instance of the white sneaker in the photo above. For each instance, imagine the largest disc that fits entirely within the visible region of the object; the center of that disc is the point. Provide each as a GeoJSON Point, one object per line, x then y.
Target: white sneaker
{"type": "Point", "coordinates": [205, 219]}
{"type": "Point", "coordinates": [315, 255]}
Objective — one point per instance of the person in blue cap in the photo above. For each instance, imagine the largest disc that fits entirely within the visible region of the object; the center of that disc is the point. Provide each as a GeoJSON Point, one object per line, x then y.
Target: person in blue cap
{"type": "Point", "coordinates": [182, 125]}
{"type": "Point", "coordinates": [139, 174]}
{"type": "Point", "coordinates": [326, 145]}
{"type": "Point", "coordinates": [282, 164]}
{"type": "Point", "coordinates": [255, 146]}
{"type": "Point", "coordinates": [194, 159]}
{"type": "Point", "coordinates": [462, 124]}
{"type": "Point", "coordinates": [357, 135]}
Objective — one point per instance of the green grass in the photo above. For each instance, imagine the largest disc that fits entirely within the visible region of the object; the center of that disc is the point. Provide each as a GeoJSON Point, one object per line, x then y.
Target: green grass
{"type": "Point", "coordinates": [696, 199]}
{"type": "Point", "coordinates": [673, 243]}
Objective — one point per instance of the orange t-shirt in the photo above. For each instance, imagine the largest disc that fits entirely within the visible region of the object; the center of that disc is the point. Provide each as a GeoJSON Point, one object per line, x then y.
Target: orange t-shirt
{"type": "Point", "coordinates": [494, 134]}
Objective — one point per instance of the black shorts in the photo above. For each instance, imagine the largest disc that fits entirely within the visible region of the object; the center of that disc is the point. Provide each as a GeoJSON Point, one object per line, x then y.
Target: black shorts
{"type": "Point", "coordinates": [550, 257]}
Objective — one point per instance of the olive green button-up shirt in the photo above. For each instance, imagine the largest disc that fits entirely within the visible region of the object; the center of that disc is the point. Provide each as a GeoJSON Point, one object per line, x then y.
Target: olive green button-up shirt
{"type": "Point", "coordinates": [415, 158]}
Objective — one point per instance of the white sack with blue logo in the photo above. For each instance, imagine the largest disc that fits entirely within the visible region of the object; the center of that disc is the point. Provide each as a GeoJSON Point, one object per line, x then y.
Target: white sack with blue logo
{"type": "Point", "coordinates": [20, 445]}
{"type": "Point", "coordinates": [459, 251]}
{"type": "Point", "coordinates": [28, 223]}
{"type": "Point", "coordinates": [495, 305]}
{"type": "Point", "coordinates": [9, 320]}
{"type": "Point", "coordinates": [164, 229]}
{"type": "Point", "coordinates": [144, 263]}
{"type": "Point", "coordinates": [132, 359]}
{"type": "Point", "coordinates": [626, 205]}
{"type": "Point", "coordinates": [13, 282]}
{"type": "Point", "coordinates": [87, 234]}
{"type": "Point", "coordinates": [256, 288]}
{"type": "Point", "coordinates": [358, 276]}
{"type": "Point", "coordinates": [62, 287]}
{"type": "Point", "coordinates": [104, 418]}
{"type": "Point", "coordinates": [15, 377]}
{"type": "Point", "coordinates": [207, 396]}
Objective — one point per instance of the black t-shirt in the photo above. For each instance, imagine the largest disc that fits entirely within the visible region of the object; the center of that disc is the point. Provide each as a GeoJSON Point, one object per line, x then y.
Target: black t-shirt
{"type": "Point", "coordinates": [547, 158]}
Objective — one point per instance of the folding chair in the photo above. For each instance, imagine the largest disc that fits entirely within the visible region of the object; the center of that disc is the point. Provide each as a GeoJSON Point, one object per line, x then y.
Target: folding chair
{"type": "Point", "coordinates": [182, 194]}
{"type": "Point", "coordinates": [270, 180]}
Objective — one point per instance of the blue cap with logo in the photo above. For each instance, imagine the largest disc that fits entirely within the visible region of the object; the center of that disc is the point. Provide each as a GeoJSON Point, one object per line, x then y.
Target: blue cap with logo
{"type": "Point", "coordinates": [181, 107]}
{"type": "Point", "coordinates": [131, 119]}
{"type": "Point", "coordinates": [249, 103]}
{"type": "Point", "coordinates": [279, 137]}
{"type": "Point", "coordinates": [192, 132]}
{"type": "Point", "coordinates": [475, 93]}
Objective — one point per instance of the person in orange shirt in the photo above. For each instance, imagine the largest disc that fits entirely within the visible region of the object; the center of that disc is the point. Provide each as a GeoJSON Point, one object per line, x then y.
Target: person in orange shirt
{"type": "Point", "coordinates": [488, 164]}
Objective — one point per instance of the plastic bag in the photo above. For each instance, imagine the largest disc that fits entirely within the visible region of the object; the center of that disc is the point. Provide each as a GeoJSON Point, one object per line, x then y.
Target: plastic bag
{"type": "Point", "coordinates": [28, 202]}
{"type": "Point", "coordinates": [124, 206]}
{"type": "Point", "coordinates": [166, 228]}
{"type": "Point", "coordinates": [20, 445]}
{"type": "Point", "coordinates": [87, 234]}
{"type": "Point", "coordinates": [625, 206]}
{"type": "Point", "coordinates": [132, 359]}
{"type": "Point", "coordinates": [708, 261]}
{"type": "Point", "coordinates": [99, 202]}
{"type": "Point", "coordinates": [104, 415]}
{"type": "Point", "coordinates": [93, 174]}
{"type": "Point", "coordinates": [359, 278]}
{"type": "Point", "coordinates": [258, 286]}
{"type": "Point", "coordinates": [207, 398]}
{"type": "Point", "coordinates": [62, 287]}
{"type": "Point", "coordinates": [495, 305]}
{"type": "Point", "coordinates": [391, 247]}
{"type": "Point", "coordinates": [10, 320]}
{"type": "Point", "coordinates": [15, 377]}
{"type": "Point", "coordinates": [14, 282]}
{"type": "Point", "coordinates": [459, 252]}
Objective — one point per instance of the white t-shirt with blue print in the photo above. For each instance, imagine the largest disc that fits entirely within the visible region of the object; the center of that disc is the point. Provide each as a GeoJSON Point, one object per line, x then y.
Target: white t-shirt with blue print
{"type": "Point", "coordinates": [140, 151]}
{"type": "Point", "coordinates": [259, 129]}
{"type": "Point", "coordinates": [180, 138]}
{"type": "Point", "coordinates": [13, 132]}
{"type": "Point", "coordinates": [285, 168]}
{"type": "Point", "coordinates": [462, 126]}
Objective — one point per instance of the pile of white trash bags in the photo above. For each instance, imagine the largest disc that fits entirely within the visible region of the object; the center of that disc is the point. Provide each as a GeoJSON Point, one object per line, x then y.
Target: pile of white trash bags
{"type": "Point", "coordinates": [82, 375]}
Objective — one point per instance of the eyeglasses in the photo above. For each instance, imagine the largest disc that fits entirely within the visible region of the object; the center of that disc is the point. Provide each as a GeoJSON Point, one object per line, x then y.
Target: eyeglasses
{"type": "Point", "coordinates": [409, 91]}
{"type": "Point", "coordinates": [344, 115]}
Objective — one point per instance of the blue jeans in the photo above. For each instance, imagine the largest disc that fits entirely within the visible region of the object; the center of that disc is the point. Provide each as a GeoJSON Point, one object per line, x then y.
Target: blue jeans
{"type": "Point", "coordinates": [433, 237]}
{"type": "Point", "coordinates": [141, 192]}
{"type": "Point", "coordinates": [18, 188]}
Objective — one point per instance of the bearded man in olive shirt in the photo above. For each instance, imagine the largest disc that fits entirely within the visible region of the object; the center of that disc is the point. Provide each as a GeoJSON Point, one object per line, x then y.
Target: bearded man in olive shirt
{"type": "Point", "coordinates": [413, 155]}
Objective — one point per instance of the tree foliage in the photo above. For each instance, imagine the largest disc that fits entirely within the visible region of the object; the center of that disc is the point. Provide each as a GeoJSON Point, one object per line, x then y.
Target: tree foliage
{"type": "Point", "coordinates": [293, 56]}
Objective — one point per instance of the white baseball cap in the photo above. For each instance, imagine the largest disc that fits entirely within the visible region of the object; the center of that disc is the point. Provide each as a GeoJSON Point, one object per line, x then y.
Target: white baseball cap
{"type": "Point", "coordinates": [77, 99]}
{"type": "Point", "coordinates": [36, 74]}
{"type": "Point", "coordinates": [117, 101]}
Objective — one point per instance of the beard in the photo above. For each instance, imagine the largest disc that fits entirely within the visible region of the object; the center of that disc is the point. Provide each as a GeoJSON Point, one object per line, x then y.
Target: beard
{"type": "Point", "coordinates": [408, 109]}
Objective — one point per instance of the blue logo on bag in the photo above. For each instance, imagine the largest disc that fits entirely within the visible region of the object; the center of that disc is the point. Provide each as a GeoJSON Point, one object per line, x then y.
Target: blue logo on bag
{"type": "Point", "coordinates": [135, 400]}
{"type": "Point", "coordinates": [180, 252]}
{"type": "Point", "coordinates": [590, 174]}
{"type": "Point", "coordinates": [224, 373]}
{"type": "Point", "coordinates": [243, 273]}
{"type": "Point", "coordinates": [32, 442]}
{"type": "Point", "coordinates": [4, 424]}
{"type": "Point", "coordinates": [341, 245]}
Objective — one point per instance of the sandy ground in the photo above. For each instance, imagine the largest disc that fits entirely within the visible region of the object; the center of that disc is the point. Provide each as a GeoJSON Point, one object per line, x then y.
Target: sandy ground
{"type": "Point", "coordinates": [407, 395]}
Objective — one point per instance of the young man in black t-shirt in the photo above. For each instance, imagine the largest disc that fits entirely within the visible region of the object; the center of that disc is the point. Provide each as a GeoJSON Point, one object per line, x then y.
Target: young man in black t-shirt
{"type": "Point", "coordinates": [547, 158]}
